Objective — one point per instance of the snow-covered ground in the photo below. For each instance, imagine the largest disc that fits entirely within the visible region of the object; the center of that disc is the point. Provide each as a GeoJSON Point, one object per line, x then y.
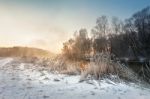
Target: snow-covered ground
{"type": "Point", "coordinates": [27, 81]}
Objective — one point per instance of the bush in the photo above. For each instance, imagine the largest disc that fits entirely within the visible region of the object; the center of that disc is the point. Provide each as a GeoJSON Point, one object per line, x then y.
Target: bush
{"type": "Point", "coordinates": [101, 64]}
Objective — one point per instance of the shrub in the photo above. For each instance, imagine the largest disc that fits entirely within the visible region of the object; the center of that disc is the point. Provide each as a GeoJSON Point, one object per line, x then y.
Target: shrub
{"type": "Point", "coordinates": [101, 64]}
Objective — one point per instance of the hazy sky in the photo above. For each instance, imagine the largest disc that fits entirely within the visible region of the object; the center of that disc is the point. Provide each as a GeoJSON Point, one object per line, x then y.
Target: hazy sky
{"type": "Point", "coordinates": [48, 23]}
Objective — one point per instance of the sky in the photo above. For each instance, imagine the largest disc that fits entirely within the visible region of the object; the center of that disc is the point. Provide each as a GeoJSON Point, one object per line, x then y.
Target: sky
{"type": "Point", "coordinates": [47, 24]}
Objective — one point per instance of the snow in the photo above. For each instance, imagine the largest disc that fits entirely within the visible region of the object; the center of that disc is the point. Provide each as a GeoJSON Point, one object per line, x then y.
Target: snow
{"type": "Point", "coordinates": [27, 81]}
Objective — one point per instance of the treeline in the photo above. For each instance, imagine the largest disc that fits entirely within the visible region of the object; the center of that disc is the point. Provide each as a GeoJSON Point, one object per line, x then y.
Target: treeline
{"type": "Point", "coordinates": [24, 52]}
{"type": "Point", "coordinates": [129, 38]}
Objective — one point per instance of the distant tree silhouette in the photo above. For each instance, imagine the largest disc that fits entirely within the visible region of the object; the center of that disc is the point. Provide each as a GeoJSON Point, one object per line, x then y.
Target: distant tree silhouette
{"type": "Point", "coordinates": [117, 26]}
{"type": "Point", "coordinates": [101, 27]}
{"type": "Point", "coordinates": [132, 34]}
{"type": "Point", "coordinates": [99, 33]}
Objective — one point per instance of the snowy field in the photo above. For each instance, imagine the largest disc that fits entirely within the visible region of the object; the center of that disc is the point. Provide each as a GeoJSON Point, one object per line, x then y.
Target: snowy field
{"type": "Point", "coordinates": [27, 81]}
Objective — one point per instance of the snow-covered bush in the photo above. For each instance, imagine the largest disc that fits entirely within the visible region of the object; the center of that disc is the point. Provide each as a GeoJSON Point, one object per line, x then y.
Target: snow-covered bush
{"type": "Point", "coordinates": [101, 65]}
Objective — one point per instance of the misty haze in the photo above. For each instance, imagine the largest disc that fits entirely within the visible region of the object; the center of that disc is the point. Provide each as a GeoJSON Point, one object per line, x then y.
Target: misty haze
{"type": "Point", "coordinates": [74, 49]}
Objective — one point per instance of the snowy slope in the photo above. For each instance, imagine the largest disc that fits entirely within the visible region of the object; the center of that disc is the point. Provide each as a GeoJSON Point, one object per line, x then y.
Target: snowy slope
{"type": "Point", "coordinates": [27, 81]}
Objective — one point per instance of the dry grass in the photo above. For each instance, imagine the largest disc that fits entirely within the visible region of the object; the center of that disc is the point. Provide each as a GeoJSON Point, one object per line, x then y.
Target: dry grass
{"type": "Point", "coordinates": [60, 65]}
{"type": "Point", "coordinates": [101, 65]}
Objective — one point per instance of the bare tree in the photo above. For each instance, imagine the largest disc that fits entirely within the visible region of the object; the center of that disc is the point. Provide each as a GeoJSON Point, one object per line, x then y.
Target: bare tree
{"type": "Point", "coordinates": [117, 25]}
{"type": "Point", "coordinates": [101, 27]}
{"type": "Point", "coordinates": [78, 47]}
